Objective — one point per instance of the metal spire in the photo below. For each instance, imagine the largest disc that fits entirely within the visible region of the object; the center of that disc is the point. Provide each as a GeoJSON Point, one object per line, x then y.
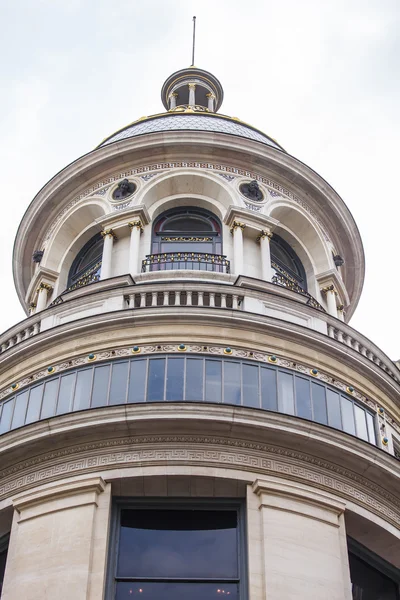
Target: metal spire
{"type": "Point", "coordinates": [194, 40]}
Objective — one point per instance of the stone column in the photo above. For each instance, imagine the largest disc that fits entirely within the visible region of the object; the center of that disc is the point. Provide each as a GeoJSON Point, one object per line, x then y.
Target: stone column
{"type": "Point", "coordinates": [266, 269]}
{"type": "Point", "coordinates": [299, 547]}
{"type": "Point", "coordinates": [172, 100]}
{"type": "Point", "coordinates": [43, 291]}
{"type": "Point", "coordinates": [211, 100]}
{"type": "Point", "coordinates": [68, 521]}
{"type": "Point", "coordinates": [136, 229]}
{"type": "Point", "coordinates": [330, 292]}
{"type": "Point", "coordinates": [109, 237]}
{"type": "Point", "coordinates": [237, 232]}
{"type": "Point", "coordinates": [192, 94]}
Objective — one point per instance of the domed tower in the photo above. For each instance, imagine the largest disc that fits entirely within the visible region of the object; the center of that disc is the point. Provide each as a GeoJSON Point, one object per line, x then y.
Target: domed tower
{"type": "Point", "coordinates": [185, 411]}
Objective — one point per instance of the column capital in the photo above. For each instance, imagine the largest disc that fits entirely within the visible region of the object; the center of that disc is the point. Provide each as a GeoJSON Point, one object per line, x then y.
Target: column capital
{"type": "Point", "coordinates": [237, 225]}
{"type": "Point", "coordinates": [138, 224]}
{"type": "Point", "coordinates": [328, 288]}
{"type": "Point", "coordinates": [210, 95]}
{"type": "Point", "coordinates": [264, 234]}
{"type": "Point", "coordinates": [341, 308]}
{"type": "Point", "coordinates": [108, 233]}
{"type": "Point", "coordinates": [173, 95]}
{"type": "Point", "coordinates": [44, 286]}
{"type": "Point", "coordinates": [192, 86]}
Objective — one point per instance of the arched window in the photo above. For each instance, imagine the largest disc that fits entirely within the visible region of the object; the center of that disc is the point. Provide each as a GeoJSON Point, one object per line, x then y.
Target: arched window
{"type": "Point", "coordinates": [187, 238]}
{"type": "Point", "coordinates": [87, 265]}
{"type": "Point", "coordinates": [285, 262]}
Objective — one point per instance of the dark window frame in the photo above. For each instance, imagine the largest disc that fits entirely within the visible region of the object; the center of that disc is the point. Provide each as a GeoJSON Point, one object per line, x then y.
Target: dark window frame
{"type": "Point", "coordinates": [120, 503]}
{"type": "Point", "coordinates": [4, 546]}
{"type": "Point", "coordinates": [75, 275]}
{"type": "Point", "coordinates": [375, 562]}
{"type": "Point", "coordinates": [299, 276]}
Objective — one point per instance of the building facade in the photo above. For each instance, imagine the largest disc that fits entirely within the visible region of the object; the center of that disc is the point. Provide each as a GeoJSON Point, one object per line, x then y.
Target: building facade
{"type": "Point", "coordinates": [186, 412]}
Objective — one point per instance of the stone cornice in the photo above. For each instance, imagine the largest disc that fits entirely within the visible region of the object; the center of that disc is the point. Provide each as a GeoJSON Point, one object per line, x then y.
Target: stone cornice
{"type": "Point", "coordinates": [253, 221]}
{"type": "Point", "coordinates": [151, 435]}
{"type": "Point", "coordinates": [44, 275]}
{"type": "Point", "coordinates": [117, 220]}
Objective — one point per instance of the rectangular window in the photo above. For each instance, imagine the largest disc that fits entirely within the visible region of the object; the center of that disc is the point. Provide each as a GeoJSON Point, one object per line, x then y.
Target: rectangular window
{"type": "Point", "coordinates": [285, 393]}
{"type": "Point", "coordinates": [172, 552]}
{"type": "Point", "coordinates": [49, 399]}
{"type": "Point", "coordinates": [21, 403]}
{"type": "Point", "coordinates": [100, 386]}
{"type": "Point", "coordinates": [35, 401]}
{"type": "Point", "coordinates": [303, 398]}
{"type": "Point", "coordinates": [319, 403]}
{"type": "Point", "coordinates": [175, 379]}
{"type": "Point", "coordinates": [194, 379]}
{"type": "Point", "coordinates": [119, 380]}
{"type": "Point", "coordinates": [83, 388]}
{"type": "Point", "coordinates": [67, 385]}
{"type": "Point", "coordinates": [250, 386]}
{"type": "Point", "coordinates": [137, 381]}
{"type": "Point", "coordinates": [268, 389]}
{"type": "Point", "coordinates": [156, 379]}
{"type": "Point", "coordinates": [213, 380]}
{"type": "Point", "coordinates": [232, 392]}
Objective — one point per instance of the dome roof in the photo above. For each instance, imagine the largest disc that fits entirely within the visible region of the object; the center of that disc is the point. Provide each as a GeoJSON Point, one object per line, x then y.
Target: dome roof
{"type": "Point", "coordinates": [192, 121]}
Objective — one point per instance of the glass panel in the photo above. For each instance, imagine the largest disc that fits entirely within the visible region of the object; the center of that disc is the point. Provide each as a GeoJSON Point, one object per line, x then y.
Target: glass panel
{"type": "Point", "coordinates": [371, 428]}
{"type": "Point", "coordinates": [368, 583]}
{"type": "Point", "coordinates": [137, 381]}
{"type": "Point", "coordinates": [213, 381]}
{"type": "Point", "coordinates": [100, 386]}
{"type": "Point", "coordinates": [35, 399]}
{"type": "Point", "coordinates": [194, 379]}
{"type": "Point", "coordinates": [232, 382]}
{"type": "Point", "coordinates": [319, 403]}
{"type": "Point", "coordinates": [268, 389]}
{"type": "Point", "coordinates": [285, 393]}
{"type": "Point", "coordinates": [155, 384]}
{"type": "Point", "coordinates": [206, 247]}
{"type": "Point", "coordinates": [6, 415]}
{"type": "Point", "coordinates": [21, 402]}
{"type": "Point", "coordinates": [83, 389]}
{"type": "Point", "coordinates": [49, 399]}
{"type": "Point", "coordinates": [183, 223]}
{"type": "Point", "coordinates": [176, 591]}
{"type": "Point", "coordinates": [119, 383]}
{"type": "Point", "coordinates": [65, 394]}
{"type": "Point", "coordinates": [250, 386]}
{"type": "Point", "coordinates": [303, 397]}
{"type": "Point", "coordinates": [361, 422]}
{"type": "Point", "coordinates": [347, 415]}
{"type": "Point", "coordinates": [334, 417]}
{"type": "Point", "coordinates": [178, 543]}
{"type": "Point", "coordinates": [175, 373]}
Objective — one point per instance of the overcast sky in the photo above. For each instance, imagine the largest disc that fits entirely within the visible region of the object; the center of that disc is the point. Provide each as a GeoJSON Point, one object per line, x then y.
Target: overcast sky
{"type": "Point", "coordinates": [320, 76]}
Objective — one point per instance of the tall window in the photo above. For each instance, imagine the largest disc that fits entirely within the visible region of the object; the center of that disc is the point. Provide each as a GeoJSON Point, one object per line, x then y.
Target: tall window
{"type": "Point", "coordinates": [3, 557]}
{"type": "Point", "coordinates": [285, 261]}
{"type": "Point", "coordinates": [87, 265]}
{"type": "Point", "coordinates": [372, 578]}
{"type": "Point", "coordinates": [187, 238]}
{"type": "Point", "coordinates": [175, 552]}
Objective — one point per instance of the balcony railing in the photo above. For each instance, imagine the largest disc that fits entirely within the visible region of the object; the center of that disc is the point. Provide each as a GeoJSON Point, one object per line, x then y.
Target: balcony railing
{"type": "Point", "coordinates": [283, 279]}
{"type": "Point", "coordinates": [197, 261]}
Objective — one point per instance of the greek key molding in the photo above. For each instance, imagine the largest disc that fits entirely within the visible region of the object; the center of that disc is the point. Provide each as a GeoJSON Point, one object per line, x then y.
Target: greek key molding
{"type": "Point", "coordinates": [208, 451]}
{"type": "Point", "coordinates": [275, 189]}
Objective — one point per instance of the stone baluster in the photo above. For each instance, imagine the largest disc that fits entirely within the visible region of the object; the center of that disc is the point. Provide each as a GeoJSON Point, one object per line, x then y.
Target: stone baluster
{"type": "Point", "coordinates": [154, 299]}
{"type": "Point", "coordinates": [237, 232]}
{"type": "Point", "coordinates": [166, 299]}
{"type": "Point", "coordinates": [212, 299]}
{"type": "Point", "coordinates": [177, 298]}
{"type": "Point", "coordinates": [223, 300]}
{"type": "Point", "coordinates": [200, 299]}
{"type": "Point", "coordinates": [188, 298]}
{"type": "Point", "coordinates": [142, 299]}
{"type": "Point", "coordinates": [109, 237]}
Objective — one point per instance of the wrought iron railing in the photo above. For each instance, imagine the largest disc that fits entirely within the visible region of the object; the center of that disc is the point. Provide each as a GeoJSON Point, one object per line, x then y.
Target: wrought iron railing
{"type": "Point", "coordinates": [198, 261]}
{"type": "Point", "coordinates": [283, 279]}
{"type": "Point", "coordinates": [90, 276]}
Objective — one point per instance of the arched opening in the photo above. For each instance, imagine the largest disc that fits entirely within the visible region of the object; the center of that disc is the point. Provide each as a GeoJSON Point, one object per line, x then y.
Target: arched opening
{"type": "Point", "coordinates": [187, 238]}
{"type": "Point", "coordinates": [286, 263]}
{"type": "Point", "coordinates": [86, 267]}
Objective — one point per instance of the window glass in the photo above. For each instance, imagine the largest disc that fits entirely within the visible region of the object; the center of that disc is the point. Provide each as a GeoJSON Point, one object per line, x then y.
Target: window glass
{"type": "Point", "coordinates": [21, 403]}
{"type": "Point", "coordinates": [6, 415]}
{"type": "Point", "coordinates": [49, 399]}
{"type": "Point", "coordinates": [213, 381]}
{"type": "Point", "coordinates": [368, 583]}
{"type": "Point", "coordinates": [35, 400]}
{"type": "Point", "coordinates": [175, 375]}
{"type": "Point", "coordinates": [176, 591]}
{"type": "Point", "coordinates": [178, 544]}
{"type": "Point", "coordinates": [333, 402]}
{"type": "Point", "coordinates": [100, 386]}
{"type": "Point", "coordinates": [67, 384]}
{"type": "Point", "coordinates": [303, 397]}
{"type": "Point", "coordinates": [119, 382]}
{"type": "Point", "coordinates": [3, 558]}
{"type": "Point", "coordinates": [319, 403]}
{"type": "Point", "coordinates": [155, 385]}
{"type": "Point", "coordinates": [285, 393]}
{"type": "Point", "coordinates": [268, 389]}
{"type": "Point", "coordinates": [371, 428]}
{"type": "Point", "coordinates": [232, 391]}
{"type": "Point", "coordinates": [194, 379]}
{"type": "Point", "coordinates": [83, 389]}
{"type": "Point", "coordinates": [347, 415]}
{"type": "Point", "coordinates": [250, 385]}
{"type": "Point", "coordinates": [361, 423]}
{"type": "Point", "coordinates": [137, 380]}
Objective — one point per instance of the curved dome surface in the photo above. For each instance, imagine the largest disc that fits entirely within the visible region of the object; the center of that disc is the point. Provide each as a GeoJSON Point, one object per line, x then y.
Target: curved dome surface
{"type": "Point", "coordinates": [194, 122]}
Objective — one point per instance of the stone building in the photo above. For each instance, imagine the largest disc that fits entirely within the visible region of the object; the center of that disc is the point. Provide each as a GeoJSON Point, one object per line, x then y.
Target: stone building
{"type": "Point", "coordinates": [185, 412]}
